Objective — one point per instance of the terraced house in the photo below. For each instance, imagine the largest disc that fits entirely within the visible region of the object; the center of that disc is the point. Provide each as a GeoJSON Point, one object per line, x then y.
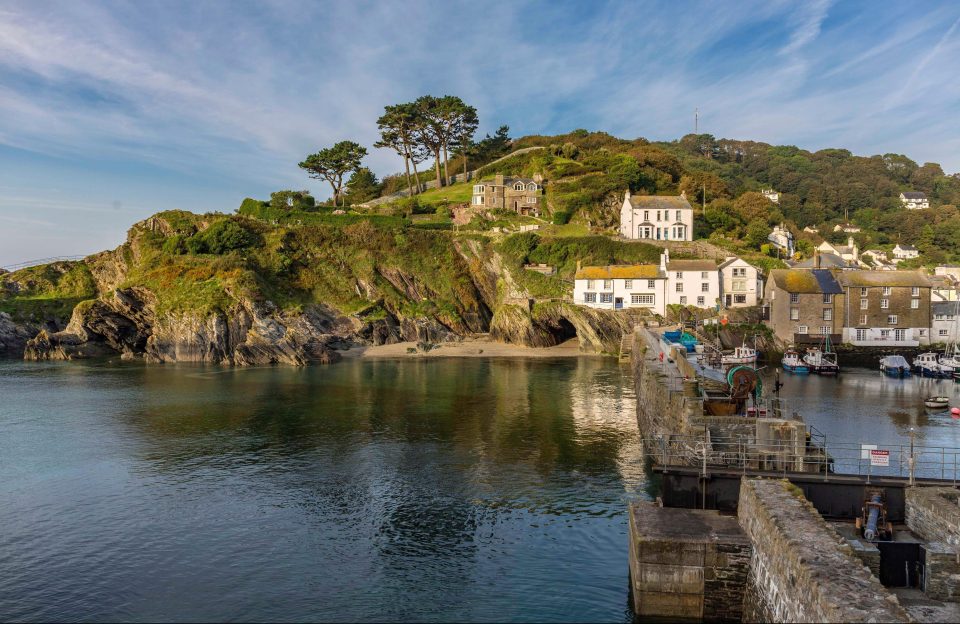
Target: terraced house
{"type": "Point", "coordinates": [621, 287]}
{"type": "Point", "coordinates": [805, 305]}
{"type": "Point", "coordinates": [886, 308]}
{"type": "Point", "coordinates": [521, 195]}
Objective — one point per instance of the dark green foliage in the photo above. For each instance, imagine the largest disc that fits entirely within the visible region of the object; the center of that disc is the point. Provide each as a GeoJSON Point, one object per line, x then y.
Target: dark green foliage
{"type": "Point", "coordinates": [175, 245]}
{"type": "Point", "coordinates": [563, 253]}
{"type": "Point", "coordinates": [222, 237]}
{"type": "Point", "coordinates": [362, 186]}
{"type": "Point", "coordinates": [561, 217]}
{"type": "Point", "coordinates": [290, 200]}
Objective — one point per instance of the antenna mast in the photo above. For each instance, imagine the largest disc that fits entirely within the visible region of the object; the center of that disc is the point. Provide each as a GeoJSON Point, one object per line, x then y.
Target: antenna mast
{"type": "Point", "coordinates": [696, 120]}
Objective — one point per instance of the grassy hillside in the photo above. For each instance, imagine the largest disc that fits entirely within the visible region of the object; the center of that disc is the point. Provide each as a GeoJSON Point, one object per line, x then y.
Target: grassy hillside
{"type": "Point", "coordinates": [49, 291]}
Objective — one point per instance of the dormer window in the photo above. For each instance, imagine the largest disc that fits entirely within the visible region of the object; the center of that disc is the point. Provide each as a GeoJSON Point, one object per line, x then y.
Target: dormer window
{"type": "Point", "coordinates": [518, 186]}
{"type": "Point", "coordinates": [531, 187]}
{"type": "Point", "coordinates": [477, 189]}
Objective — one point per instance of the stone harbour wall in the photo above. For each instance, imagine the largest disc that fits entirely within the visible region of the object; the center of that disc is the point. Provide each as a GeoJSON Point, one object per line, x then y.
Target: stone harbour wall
{"type": "Point", "coordinates": [801, 569]}
{"type": "Point", "coordinates": [933, 513]}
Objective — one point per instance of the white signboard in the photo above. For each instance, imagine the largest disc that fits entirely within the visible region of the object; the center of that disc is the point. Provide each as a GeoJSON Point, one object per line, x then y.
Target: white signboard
{"type": "Point", "coordinates": [879, 458]}
{"type": "Point", "coordinates": [865, 450]}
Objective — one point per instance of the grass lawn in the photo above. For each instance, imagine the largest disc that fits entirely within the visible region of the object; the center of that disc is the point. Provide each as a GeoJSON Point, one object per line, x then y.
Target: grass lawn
{"type": "Point", "coordinates": [570, 229]}
{"type": "Point", "coordinates": [455, 194]}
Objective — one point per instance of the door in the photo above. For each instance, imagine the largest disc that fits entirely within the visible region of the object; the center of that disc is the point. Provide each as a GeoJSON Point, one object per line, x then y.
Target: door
{"type": "Point", "coordinates": [901, 564]}
{"type": "Point", "coordinates": [618, 303]}
{"type": "Point", "coordinates": [729, 300]}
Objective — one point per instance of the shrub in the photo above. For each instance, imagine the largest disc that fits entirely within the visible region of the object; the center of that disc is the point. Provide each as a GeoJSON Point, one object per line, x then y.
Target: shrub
{"type": "Point", "coordinates": [175, 245]}
{"type": "Point", "coordinates": [292, 200]}
{"type": "Point", "coordinates": [561, 217]}
{"type": "Point", "coordinates": [222, 237]}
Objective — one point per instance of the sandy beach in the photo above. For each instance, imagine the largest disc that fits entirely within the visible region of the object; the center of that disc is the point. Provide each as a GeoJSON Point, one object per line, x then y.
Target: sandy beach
{"type": "Point", "coordinates": [468, 348]}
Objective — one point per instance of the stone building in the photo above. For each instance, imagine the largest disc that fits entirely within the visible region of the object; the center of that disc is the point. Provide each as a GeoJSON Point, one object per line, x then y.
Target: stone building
{"type": "Point", "coordinates": [521, 195]}
{"type": "Point", "coordinates": [804, 304]}
{"type": "Point", "coordinates": [945, 326]}
{"type": "Point", "coordinates": [656, 217]}
{"type": "Point", "coordinates": [886, 308]}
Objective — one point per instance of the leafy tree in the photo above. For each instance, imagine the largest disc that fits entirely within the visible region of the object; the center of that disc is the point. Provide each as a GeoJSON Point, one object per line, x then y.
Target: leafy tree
{"type": "Point", "coordinates": [292, 200]}
{"type": "Point", "coordinates": [398, 126]}
{"type": "Point", "coordinates": [457, 124]}
{"type": "Point", "coordinates": [333, 163]}
{"type": "Point", "coordinates": [429, 129]}
{"type": "Point", "coordinates": [756, 234]}
{"type": "Point", "coordinates": [699, 183]}
{"type": "Point", "coordinates": [222, 237]}
{"type": "Point", "coordinates": [751, 206]}
{"type": "Point", "coordinates": [362, 186]}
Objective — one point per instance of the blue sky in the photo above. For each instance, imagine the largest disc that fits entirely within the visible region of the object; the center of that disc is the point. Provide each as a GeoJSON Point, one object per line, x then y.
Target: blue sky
{"type": "Point", "coordinates": [110, 111]}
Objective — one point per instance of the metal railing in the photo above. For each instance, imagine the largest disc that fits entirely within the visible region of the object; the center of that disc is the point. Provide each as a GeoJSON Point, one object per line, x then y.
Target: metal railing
{"type": "Point", "coordinates": [807, 452]}
{"type": "Point", "coordinates": [30, 263]}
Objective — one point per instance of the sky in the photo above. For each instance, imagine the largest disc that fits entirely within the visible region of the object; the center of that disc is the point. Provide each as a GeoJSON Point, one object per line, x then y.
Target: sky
{"type": "Point", "coordinates": [112, 111]}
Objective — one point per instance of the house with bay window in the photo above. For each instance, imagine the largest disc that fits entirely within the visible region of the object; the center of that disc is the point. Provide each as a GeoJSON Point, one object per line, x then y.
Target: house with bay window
{"type": "Point", "coordinates": [656, 217]}
{"type": "Point", "coordinates": [521, 195]}
{"type": "Point", "coordinates": [619, 287]}
{"type": "Point", "coordinates": [740, 282]}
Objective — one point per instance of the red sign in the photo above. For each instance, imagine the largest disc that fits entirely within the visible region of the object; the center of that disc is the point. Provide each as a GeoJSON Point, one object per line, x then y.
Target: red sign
{"type": "Point", "coordinates": [879, 457]}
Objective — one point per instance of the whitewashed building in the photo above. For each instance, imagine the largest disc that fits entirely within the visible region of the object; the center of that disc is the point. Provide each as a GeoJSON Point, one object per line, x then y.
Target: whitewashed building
{"type": "Point", "coordinates": [850, 253]}
{"type": "Point", "coordinates": [691, 282]}
{"type": "Point", "coordinates": [741, 283]}
{"type": "Point", "coordinates": [914, 200]}
{"type": "Point", "coordinates": [771, 194]}
{"type": "Point", "coordinates": [621, 287]}
{"type": "Point", "coordinates": [656, 217]}
{"type": "Point", "coordinates": [945, 322]}
{"type": "Point", "coordinates": [782, 239]}
{"type": "Point", "coordinates": [905, 252]}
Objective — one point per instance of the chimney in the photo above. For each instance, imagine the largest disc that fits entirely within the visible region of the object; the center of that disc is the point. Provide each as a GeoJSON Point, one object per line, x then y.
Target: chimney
{"type": "Point", "coordinates": [578, 265]}
{"type": "Point", "coordinates": [683, 194]}
{"type": "Point", "coordinates": [816, 258]}
{"type": "Point", "coordinates": [626, 195]}
{"type": "Point", "coordinates": [498, 179]}
{"type": "Point", "coordinates": [664, 259]}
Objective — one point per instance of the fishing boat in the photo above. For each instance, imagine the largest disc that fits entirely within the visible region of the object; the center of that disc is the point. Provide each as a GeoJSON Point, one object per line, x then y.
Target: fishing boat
{"type": "Point", "coordinates": [895, 366]}
{"type": "Point", "coordinates": [937, 402]}
{"type": "Point", "coordinates": [950, 360]}
{"type": "Point", "coordinates": [928, 365]}
{"type": "Point", "coordinates": [822, 361]}
{"type": "Point", "coordinates": [741, 355]}
{"type": "Point", "coordinates": [793, 362]}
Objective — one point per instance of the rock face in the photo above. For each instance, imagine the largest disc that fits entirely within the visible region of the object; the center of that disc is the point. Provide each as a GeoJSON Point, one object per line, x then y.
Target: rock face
{"type": "Point", "coordinates": [13, 336]}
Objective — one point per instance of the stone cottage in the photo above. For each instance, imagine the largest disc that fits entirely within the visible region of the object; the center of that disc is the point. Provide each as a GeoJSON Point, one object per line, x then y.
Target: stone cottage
{"type": "Point", "coordinates": [521, 195]}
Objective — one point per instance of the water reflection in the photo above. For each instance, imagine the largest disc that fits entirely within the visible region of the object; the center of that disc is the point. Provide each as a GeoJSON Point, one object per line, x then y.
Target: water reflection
{"type": "Point", "coordinates": [426, 490]}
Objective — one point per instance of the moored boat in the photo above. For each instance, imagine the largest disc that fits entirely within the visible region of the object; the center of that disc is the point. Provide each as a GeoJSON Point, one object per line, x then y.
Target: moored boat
{"type": "Point", "coordinates": [937, 402]}
{"type": "Point", "coordinates": [793, 362]}
{"type": "Point", "coordinates": [895, 366]}
{"type": "Point", "coordinates": [928, 365]}
{"type": "Point", "coordinates": [741, 355]}
{"type": "Point", "coordinates": [822, 362]}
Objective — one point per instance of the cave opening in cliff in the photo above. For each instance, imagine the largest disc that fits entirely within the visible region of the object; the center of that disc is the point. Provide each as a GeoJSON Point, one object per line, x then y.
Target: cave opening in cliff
{"type": "Point", "coordinates": [564, 331]}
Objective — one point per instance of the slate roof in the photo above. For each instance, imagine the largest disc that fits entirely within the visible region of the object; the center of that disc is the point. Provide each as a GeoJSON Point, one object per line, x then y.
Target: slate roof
{"type": "Point", "coordinates": [914, 195]}
{"type": "Point", "coordinates": [508, 181]}
{"type": "Point", "coordinates": [907, 248]}
{"type": "Point", "coordinates": [692, 265]}
{"type": "Point", "coordinates": [804, 281]}
{"type": "Point", "coordinates": [884, 278]}
{"type": "Point", "coordinates": [944, 307]}
{"type": "Point", "coordinates": [660, 202]}
{"type": "Point", "coordinates": [827, 261]}
{"type": "Point", "coordinates": [630, 271]}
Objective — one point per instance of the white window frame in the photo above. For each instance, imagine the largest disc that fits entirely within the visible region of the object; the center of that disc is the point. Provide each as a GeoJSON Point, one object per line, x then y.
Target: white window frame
{"type": "Point", "coordinates": [589, 297]}
{"type": "Point", "coordinates": [914, 304]}
{"type": "Point", "coordinates": [892, 319]}
{"type": "Point", "coordinates": [864, 292]}
{"type": "Point", "coordinates": [607, 284]}
{"type": "Point", "coordinates": [944, 332]}
{"type": "Point", "coordinates": [651, 283]}
{"type": "Point", "coordinates": [803, 329]}
{"type": "Point", "coordinates": [739, 298]}
{"type": "Point", "coordinates": [794, 297]}
{"type": "Point", "coordinates": [862, 334]}
{"type": "Point", "coordinates": [606, 297]}
{"type": "Point", "coordinates": [887, 290]}
{"type": "Point", "coordinates": [863, 319]}
{"type": "Point", "coordinates": [794, 314]}
{"type": "Point", "coordinates": [683, 301]}
{"type": "Point", "coordinates": [825, 330]}
{"type": "Point", "coordinates": [828, 314]}
{"type": "Point", "coordinates": [864, 303]}
{"type": "Point", "coordinates": [643, 299]}
{"type": "Point", "coordinates": [700, 301]}
{"type": "Point", "coordinates": [679, 287]}
{"type": "Point", "coordinates": [884, 304]}
{"type": "Point", "coordinates": [915, 291]}
{"type": "Point", "coordinates": [827, 298]}
{"type": "Point", "coordinates": [628, 284]}
{"type": "Point", "coordinates": [705, 287]}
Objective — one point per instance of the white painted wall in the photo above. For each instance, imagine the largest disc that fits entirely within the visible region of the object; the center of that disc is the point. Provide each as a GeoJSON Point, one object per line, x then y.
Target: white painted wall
{"type": "Point", "coordinates": [749, 285]}
{"type": "Point", "coordinates": [606, 292]}
{"type": "Point", "coordinates": [693, 289]}
{"type": "Point", "coordinates": [661, 223]}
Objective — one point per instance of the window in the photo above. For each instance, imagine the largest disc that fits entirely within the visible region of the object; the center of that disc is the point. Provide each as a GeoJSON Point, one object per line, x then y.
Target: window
{"type": "Point", "coordinates": [705, 287]}
{"type": "Point", "coordinates": [863, 292]}
{"type": "Point", "coordinates": [589, 284]}
{"type": "Point", "coordinates": [589, 297]}
{"type": "Point", "coordinates": [477, 189]}
{"type": "Point", "coordinates": [646, 300]}
{"type": "Point", "coordinates": [739, 285]}
{"type": "Point", "coordinates": [863, 319]}
{"type": "Point", "coordinates": [704, 275]}
{"type": "Point", "coordinates": [914, 304]}
{"type": "Point", "coordinates": [884, 304]}
{"type": "Point", "coordinates": [828, 314]}
{"type": "Point", "coordinates": [607, 284]}
{"type": "Point", "coordinates": [679, 274]}
{"type": "Point", "coordinates": [651, 283]}
{"type": "Point", "coordinates": [679, 286]}
{"type": "Point", "coordinates": [892, 319]}
{"type": "Point", "coordinates": [828, 298]}
{"type": "Point", "coordinates": [739, 298]}
{"type": "Point", "coordinates": [628, 284]}
{"type": "Point", "coordinates": [658, 215]}
{"type": "Point", "coordinates": [478, 200]}
{"type": "Point", "coordinates": [862, 334]}
{"type": "Point", "coordinates": [900, 335]}
{"type": "Point", "coordinates": [944, 332]}
{"type": "Point", "coordinates": [741, 272]}
{"type": "Point", "coordinates": [864, 303]}
{"type": "Point", "coordinates": [915, 291]}
{"type": "Point", "coordinates": [802, 329]}
{"type": "Point", "coordinates": [923, 333]}
{"type": "Point", "coordinates": [531, 187]}
{"type": "Point", "coordinates": [646, 215]}
{"type": "Point", "coordinates": [886, 290]}
{"type": "Point", "coordinates": [794, 297]}
{"type": "Point", "coordinates": [794, 314]}
{"type": "Point", "coordinates": [884, 334]}
{"type": "Point", "coordinates": [518, 186]}
{"type": "Point", "coordinates": [606, 297]}
{"type": "Point", "coordinates": [678, 215]}
{"type": "Point", "coordinates": [531, 200]}
{"type": "Point", "coordinates": [700, 301]}
{"type": "Point", "coordinates": [824, 330]}
{"type": "Point", "coordinates": [683, 301]}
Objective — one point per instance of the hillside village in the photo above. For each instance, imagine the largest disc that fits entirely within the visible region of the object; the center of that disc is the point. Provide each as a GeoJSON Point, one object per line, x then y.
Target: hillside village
{"type": "Point", "coordinates": [863, 250]}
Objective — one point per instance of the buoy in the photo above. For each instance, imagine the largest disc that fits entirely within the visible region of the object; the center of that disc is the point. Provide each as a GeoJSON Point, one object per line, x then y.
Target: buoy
{"type": "Point", "coordinates": [955, 412]}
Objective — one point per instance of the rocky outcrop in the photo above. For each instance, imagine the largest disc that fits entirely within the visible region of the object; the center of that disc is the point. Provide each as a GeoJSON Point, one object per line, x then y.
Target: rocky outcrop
{"type": "Point", "coordinates": [548, 324]}
{"type": "Point", "coordinates": [14, 336]}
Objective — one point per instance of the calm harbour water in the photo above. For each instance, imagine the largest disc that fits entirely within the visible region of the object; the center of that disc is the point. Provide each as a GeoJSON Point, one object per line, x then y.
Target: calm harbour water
{"type": "Point", "coordinates": [469, 489]}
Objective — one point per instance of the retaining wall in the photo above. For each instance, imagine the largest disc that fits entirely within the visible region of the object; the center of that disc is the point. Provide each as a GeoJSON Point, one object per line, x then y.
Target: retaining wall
{"type": "Point", "coordinates": [934, 514]}
{"type": "Point", "coordinates": [801, 569]}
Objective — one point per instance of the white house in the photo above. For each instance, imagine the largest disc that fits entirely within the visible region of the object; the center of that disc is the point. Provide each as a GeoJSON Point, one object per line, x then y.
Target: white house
{"type": "Point", "coordinates": [782, 239]}
{"type": "Point", "coordinates": [948, 270]}
{"type": "Point", "coordinates": [914, 200]}
{"type": "Point", "coordinates": [878, 258]}
{"type": "Point", "coordinates": [771, 194]}
{"type": "Point", "coordinates": [619, 287]}
{"type": "Point", "coordinates": [945, 322]}
{"type": "Point", "coordinates": [849, 228]}
{"type": "Point", "coordinates": [691, 282]}
{"type": "Point", "coordinates": [905, 252]}
{"type": "Point", "coordinates": [850, 253]}
{"type": "Point", "coordinates": [740, 283]}
{"type": "Point", "coordinates": [811, 230]}
{"type": "Point", "coordinates": [656, 217]}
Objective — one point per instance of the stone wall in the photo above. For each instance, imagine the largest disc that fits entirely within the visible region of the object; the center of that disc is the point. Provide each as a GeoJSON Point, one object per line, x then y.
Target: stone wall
{"type": "Point", "coordinates": [933, 513]}
{"type": "Point", "coordinates": [687, 564]}
{"type": "Point", "coordinates": [801, 569]}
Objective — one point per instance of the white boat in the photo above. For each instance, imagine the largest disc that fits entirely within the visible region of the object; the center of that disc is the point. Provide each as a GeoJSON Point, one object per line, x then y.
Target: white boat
{"type": "Point", "coordinates": [793, 362]}
{"type": "Point", "coordinates": [937, 402]}
{"type": "Point", "coordinates": [740, 355]}
{"type": "Point", "coordinates": [822, 362]}
{"type": "Point", "coordinates": [928, 365]}
{"type": "Point", "coordinates": [895, 366]}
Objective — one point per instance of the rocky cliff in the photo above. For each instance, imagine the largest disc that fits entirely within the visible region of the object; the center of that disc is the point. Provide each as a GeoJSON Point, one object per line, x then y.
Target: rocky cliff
{"type": "Point", "coordinates": [295, 296]}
